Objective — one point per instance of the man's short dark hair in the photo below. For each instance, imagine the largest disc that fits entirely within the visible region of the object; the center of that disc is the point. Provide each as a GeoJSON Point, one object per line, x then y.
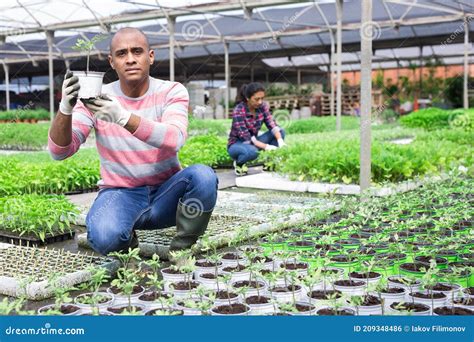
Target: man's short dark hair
{"type": "Point", "coordinates": [130, 29]}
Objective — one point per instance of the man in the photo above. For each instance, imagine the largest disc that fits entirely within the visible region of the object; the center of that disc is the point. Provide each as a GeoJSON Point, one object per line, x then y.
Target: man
{"type": "Point", "coordinates": [140, 124]}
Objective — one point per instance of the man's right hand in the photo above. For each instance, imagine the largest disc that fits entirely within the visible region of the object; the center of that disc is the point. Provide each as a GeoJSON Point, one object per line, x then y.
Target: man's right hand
{"type": "Point", "coordinates": [70, 92]}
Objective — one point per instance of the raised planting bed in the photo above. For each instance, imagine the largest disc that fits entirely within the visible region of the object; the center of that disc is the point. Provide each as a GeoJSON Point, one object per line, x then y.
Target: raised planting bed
{"type": "Point", "coordinates": [25, 271]}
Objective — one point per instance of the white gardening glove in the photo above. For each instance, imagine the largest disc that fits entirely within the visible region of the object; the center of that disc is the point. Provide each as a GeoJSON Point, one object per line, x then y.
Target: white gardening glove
{"type": "Point", "coordinates": [270, 147]}
{"type": "Point", "coordinates": [281, 143]}
{"type": "Point", "coordinates": [70, 92]}
{"type": "Point", "coordinates": [108, 108]}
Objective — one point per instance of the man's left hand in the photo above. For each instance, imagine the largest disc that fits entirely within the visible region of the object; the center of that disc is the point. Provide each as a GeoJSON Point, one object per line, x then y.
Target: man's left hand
{"type": "Point", "coordinates": [109, 109]}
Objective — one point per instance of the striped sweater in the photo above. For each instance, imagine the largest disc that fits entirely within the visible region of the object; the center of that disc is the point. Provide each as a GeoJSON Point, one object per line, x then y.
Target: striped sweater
{"type": "Point", "coordinates": [149, 155]}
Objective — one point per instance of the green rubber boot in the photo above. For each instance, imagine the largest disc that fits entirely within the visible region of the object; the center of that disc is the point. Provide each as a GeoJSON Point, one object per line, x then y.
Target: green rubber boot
{"type": "Point", "coordinates": [191, 223]}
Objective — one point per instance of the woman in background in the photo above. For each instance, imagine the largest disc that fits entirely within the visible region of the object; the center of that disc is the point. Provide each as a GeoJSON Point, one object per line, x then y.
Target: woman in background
{"type": "Point", "coordinates": [248, 116]}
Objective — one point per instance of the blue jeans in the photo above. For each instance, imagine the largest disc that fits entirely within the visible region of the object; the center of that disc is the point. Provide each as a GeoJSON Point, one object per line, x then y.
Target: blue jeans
{"type": "Point", "coordinates": [116, 212]}
{"type": "Point", "coordinates": [243, 153]}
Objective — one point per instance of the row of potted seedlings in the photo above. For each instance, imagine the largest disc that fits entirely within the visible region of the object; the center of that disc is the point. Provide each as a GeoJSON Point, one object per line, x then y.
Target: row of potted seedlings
{"type": "Point", "coordinates": [246, 283]}
{"type": "Point", "coordinates": [406, 254]}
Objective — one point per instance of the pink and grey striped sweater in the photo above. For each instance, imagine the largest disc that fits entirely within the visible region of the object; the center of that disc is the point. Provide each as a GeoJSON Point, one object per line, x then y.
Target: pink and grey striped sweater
{"type": "Point", "coordinates": [146, 157]}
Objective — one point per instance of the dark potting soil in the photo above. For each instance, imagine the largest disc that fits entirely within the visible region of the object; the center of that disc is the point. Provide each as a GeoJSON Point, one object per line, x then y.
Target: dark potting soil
{"type": "Point", "coordinates": [348, 242]}
{"type": "Point", "coordinates": [440, 287]}
{"type": "Point", "coordinates": [167, 312]}
{"type": "Point", "coordinates": [391, 256]}
{"type": "Point", "coordinates": [376, 245]}
{"type": "Point", "coordinates": [173, 271]}
{"type": "Point", "coordinates": [262, 259]}
{"type": "Point", "coordinates": [358, 275]}
{"type": "Point", "coordinates": [350, 283]}
{"type": "Point", "coordinates": [245, 283]}
{"type": "Point", "coordinates": [68, 309]}
{"type": "Point", "coordinates": [414, 267]}
{"type": "Point", "coordinates": [464, 224]}
{"type": "Point", "coordinates": [367, 251]}
{"type": "Point", "coordinates": [370, 301]}
{"type": "Point", "coordinates": [152, 296]}
{"type": "Point", "coordinates": [236, 308]}
{"type": "Point", "coordinates": [304, 307]}
{"type": "Point", "coordinates": [404, 281]}
{"type": "Point", "coordinates": [124, 308]}
{"type": "Point", "coordinates": [416, 307]}
{"type": "Point", "coordinates": [185, 285]}
{"type": "Point", "coordinates": [359, 236]}
{"type": "Point", "coordinates": [342, 258]}
{"type": "Point", "coordinates": [136, 289]}
{"type": "Point", "coordinates": [288, 288]}
{"type": "Point", "coordinates": [467, 256]}
{"type": "Point", "coordinates": [238, 268]}
{"type": "Point", "coordinates": [88, 299]}
{"type": "Point", "coordinates": [294, 266]}
{"type": "Point", "coordinates": [257, 300]}
{"type": "Point", "coordinates": [392, 290]}
{"type": "Point", "coordinates": [324, 295]}
{"type": "Point", "coordinates": [231, 256]}
{"type": "Point", "coordinates": [301, 243]}
{"type": "Point", "coordinates": [434, 295]}
{"type": "Point", "coordinates": [206, 264]}
{"type": "Point", "coordinates": [447, 252]}
{"type": "Point", "coordinates": [464, 301]}
{"type": "Point", "coordinates": [333, 312]}
{"type": "Point", "coordinates": [208, 276]}
{"type": "Point", "coordinates": [427, 259]}
{"type": "Point", "coordinates": [453, 311]}
{"type": "Point", "coordinates": [222, 294]}
{"type": "Point", "coordinates": [325, 247]}
{"type": "Point", "coordinates": [469, 290]}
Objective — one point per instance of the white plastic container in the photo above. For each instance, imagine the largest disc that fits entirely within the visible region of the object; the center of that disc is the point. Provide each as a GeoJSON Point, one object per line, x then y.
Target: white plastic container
{"type": "Point", "coordinates": [90, 82]}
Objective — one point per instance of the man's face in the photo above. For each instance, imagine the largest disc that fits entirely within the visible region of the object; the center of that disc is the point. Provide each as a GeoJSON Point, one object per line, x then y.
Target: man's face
{"type": "Point", "coordinates": [130, 56]}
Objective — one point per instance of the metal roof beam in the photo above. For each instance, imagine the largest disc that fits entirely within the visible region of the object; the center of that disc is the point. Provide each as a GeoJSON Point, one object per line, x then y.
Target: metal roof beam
{"type": "Point", "coordinates": [154, 14]}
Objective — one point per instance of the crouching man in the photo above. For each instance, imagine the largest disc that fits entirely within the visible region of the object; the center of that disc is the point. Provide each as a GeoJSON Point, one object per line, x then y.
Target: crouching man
{"type": "Point", "coordinates": [140, 124]}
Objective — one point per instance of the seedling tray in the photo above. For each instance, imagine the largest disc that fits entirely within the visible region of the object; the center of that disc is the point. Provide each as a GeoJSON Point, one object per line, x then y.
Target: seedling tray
{"type": "Point", "coordinates": [24, 271]}
{"type": "Point", "coordinates": [32, 240]}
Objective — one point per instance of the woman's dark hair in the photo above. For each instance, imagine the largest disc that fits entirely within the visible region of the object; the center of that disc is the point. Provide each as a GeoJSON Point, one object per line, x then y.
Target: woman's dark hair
{"type": "Point", "coordinates": [247, 90]}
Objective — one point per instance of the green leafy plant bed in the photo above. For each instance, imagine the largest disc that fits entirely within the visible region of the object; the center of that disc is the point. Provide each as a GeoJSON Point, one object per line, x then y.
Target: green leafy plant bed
{"type": "Point", "coordinates": [208, 149]}
{"type": "Point", "coordinates": [23, 137]}
{"type": "Point", "coordinates": [28, 173]}
{"type": "Point", "coordinates": [436, 118]}
{"type": "Point", "coordinates": [335, 158]}
{"type": "Point", "coordinates": [24, 115]}
{"type": "Point", "coordinates": [36, 219]}
{"type": "Point", "coordinates": [28, 272]}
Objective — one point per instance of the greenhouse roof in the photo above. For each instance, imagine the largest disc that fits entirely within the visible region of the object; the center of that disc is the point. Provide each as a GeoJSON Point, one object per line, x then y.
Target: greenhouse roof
{"type": "Point", "coordinates": [267, 31]}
